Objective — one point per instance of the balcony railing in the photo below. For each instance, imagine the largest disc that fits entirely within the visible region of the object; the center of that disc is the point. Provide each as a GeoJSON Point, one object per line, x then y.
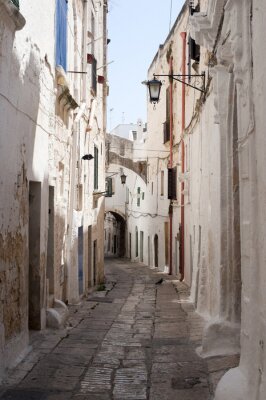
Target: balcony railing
{"type": "Point", "coordinates": [16, 2]}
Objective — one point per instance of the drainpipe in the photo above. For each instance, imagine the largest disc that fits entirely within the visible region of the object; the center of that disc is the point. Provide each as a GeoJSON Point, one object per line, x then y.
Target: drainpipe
{"type": "Point", "coordinates": [171, 166]}
{"type": "Point", "coordinates": [183, 116]}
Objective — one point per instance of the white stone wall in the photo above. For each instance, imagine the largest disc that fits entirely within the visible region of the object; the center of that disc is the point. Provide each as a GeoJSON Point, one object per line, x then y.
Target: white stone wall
{"type": "Point", "coordinates": [43, 137]}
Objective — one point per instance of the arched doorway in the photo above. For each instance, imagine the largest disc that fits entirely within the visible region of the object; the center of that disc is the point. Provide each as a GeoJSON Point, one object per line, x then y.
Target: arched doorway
{"type": "Point", "coordinates": [156, 251]}
{"type": "Point", "coordinates": [115, 234]}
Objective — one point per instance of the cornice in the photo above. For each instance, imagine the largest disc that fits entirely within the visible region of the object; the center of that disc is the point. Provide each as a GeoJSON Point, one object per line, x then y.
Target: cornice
{"type": "Point", "coordinates": [204, 25]}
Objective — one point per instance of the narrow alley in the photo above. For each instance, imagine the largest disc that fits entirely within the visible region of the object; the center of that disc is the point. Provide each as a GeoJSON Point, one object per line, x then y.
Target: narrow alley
{"type": "Point", "coordinates": [134, 340]}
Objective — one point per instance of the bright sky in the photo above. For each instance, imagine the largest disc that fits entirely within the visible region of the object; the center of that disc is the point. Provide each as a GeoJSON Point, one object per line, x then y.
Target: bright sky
{"type": "Point", "coordinates": [136, 29]}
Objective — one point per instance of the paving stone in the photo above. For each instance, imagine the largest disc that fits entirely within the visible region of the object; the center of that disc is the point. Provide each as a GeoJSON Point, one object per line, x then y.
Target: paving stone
{"type": "Point", "coordinates": [136, 341]}
{"type": "Point", "coordinates": [96, 380]}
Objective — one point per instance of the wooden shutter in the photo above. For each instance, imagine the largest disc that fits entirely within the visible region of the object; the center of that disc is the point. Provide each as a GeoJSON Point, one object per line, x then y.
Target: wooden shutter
{"type": "Point", "coordinates": [61, 33]}
{"type": "Point", "coordinates": [96, 166]}
{"type": "Point", "coordinates": [172, 172]}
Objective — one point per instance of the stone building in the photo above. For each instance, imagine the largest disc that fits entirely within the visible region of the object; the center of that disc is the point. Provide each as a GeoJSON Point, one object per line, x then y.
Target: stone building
{"type": "Point", "coordinates": [203, 197]}
{"type": "Point", "coordinates": [52, 112]}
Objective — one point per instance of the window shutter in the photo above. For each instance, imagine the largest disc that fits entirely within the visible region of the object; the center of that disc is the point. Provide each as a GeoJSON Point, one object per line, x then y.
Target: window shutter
{"type": "Point", "coordinates": [138, 197]}
{"type": "Point", "coordinates": [172, 183]}
{"type": "Point", "coordinates": [109, 187]}
{"type": "Point", "coordinates": [166, 125]}
{"type": "Point", "coordinates": [96, 166]}
{"type": "Point", "coordinates": [61, 33]}
{"type": "Point", "coordinates": [94, 76]}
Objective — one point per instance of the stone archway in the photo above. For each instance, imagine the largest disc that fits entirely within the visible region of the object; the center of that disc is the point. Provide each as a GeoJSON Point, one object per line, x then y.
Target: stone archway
{"type": "Point", "coordinates": [115, 234]}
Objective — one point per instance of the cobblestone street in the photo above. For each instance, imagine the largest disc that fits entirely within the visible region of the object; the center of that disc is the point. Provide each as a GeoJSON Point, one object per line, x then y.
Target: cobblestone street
{"type": "Point", "coordinates": [136, 340]}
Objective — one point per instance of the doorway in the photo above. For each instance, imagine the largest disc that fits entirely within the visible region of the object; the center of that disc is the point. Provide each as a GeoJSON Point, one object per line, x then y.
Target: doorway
{"type": "Point", "coordinates": [50, 245]}
{"type": "Point", "coordinates": [35, 300]}
{"type": "Point", "coordinates": [156, 251]}
{"type": "Point", "coordinates": [141, 245]}
{"type": "Point", "coordinates": [94, 276]}
{"type": "Point", "coordinates": [80, 258]}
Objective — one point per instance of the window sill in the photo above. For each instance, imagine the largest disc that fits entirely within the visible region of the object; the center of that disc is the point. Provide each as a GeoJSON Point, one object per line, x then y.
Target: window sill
{"type": "Point", "coordinates": [9, 8]}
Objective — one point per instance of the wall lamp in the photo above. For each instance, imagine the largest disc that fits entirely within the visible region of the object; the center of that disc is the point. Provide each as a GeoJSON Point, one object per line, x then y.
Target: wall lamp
{"type": "Point", "coordinates": [123, 177]}
{"type": "Point", "coordinates": [155, 85]}
{"type": "Point", "coordinates": [87, 157]}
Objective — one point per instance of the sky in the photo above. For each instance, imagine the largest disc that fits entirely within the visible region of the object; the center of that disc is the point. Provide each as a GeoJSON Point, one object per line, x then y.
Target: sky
{"type": "Point", "coordinates": [136, 29]}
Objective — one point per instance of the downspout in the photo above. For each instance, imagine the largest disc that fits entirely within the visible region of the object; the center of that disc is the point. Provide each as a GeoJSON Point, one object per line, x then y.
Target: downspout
{"type": "Point", "coordinates": [171, 165]}
{"type": "Point", "coordinates": [183, 117]}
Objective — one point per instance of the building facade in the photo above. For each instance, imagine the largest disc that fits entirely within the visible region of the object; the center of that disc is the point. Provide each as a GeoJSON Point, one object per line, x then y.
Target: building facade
{"type": "Point", "coordinates": [53, 105]}
{"type": "Point", "coordinates": [199, 213]}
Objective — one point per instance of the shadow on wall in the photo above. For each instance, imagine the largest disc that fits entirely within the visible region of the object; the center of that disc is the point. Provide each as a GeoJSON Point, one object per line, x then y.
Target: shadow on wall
{"type": "Point", "coordinates": [19, 106]}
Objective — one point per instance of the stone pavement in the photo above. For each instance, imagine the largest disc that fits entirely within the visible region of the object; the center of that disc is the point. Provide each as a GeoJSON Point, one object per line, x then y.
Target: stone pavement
{"type": "Point", "coordinates": [136, 341]}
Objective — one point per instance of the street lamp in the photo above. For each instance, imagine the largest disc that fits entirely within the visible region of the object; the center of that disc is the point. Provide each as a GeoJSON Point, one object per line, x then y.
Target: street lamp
{"type": "Point", "coordinates": [123, 178]}
{"type": "Point", "coordinates": [154, 85]}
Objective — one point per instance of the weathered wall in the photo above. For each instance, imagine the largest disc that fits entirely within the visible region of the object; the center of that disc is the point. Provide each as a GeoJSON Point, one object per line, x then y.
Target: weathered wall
{"type": "Point", "coordinates": [42, 141]}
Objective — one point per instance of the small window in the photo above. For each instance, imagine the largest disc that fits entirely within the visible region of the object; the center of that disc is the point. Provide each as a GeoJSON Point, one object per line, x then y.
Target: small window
{"type": "Point", "coordinates": [94, 76]}
{"type": "Point", "coordinates": [134, 134]}
{"type": "Point", "coordinates": [127, 195]}
{"type": "Point", "coordinates": [143, 194]}
{"type": "Point", "coordinates": [138, 197]}
{"type": "Point", "coordinates": [162, 183]}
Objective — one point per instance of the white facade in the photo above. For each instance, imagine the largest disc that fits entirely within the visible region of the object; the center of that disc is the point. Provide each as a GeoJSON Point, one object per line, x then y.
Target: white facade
{"type": "Point", "coordinates": [51, 238]}
{"type": "Point", "coordinates": [224, 184]}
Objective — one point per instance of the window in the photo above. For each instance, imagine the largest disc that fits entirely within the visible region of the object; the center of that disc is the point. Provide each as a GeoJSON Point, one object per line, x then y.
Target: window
{"type": "Point", "coordinates": [61, 33]}
{"type": "Point", "coordinates": [122, 149]}
{"type": "Point", "coordinates": [96, 166]}
{"type": "Point", "coordinates": [127, 195]}
{"type": "Point", "coordinates": [172, 176]}
{"type": "Point", "coordinates": [138, 197]}
{"type": "Point", "coordinates": [134, 134]}
{"type": "Point", "coordinates": [166, 125]}
{"type": "Point", "coordinates": [162, 183]}
{"type": "Point", "coordinates": [143, 195]}
{"type": "Point", "coordinates": [16, 2]}
{"type": "Point", "coordinates": [108, 187]}
{"type": "Point", "coordinates": [94, 76]}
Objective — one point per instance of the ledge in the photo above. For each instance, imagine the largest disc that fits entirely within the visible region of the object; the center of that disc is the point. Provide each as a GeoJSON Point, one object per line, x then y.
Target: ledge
{"type": "Point", "coordinates": [13, 12]}
{"type": "Point", "coordinates": [64, 92]}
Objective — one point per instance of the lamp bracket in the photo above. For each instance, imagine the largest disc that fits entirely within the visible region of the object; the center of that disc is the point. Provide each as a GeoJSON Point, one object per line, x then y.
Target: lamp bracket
{"type": "Point", "coordinates": [198, 80]}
